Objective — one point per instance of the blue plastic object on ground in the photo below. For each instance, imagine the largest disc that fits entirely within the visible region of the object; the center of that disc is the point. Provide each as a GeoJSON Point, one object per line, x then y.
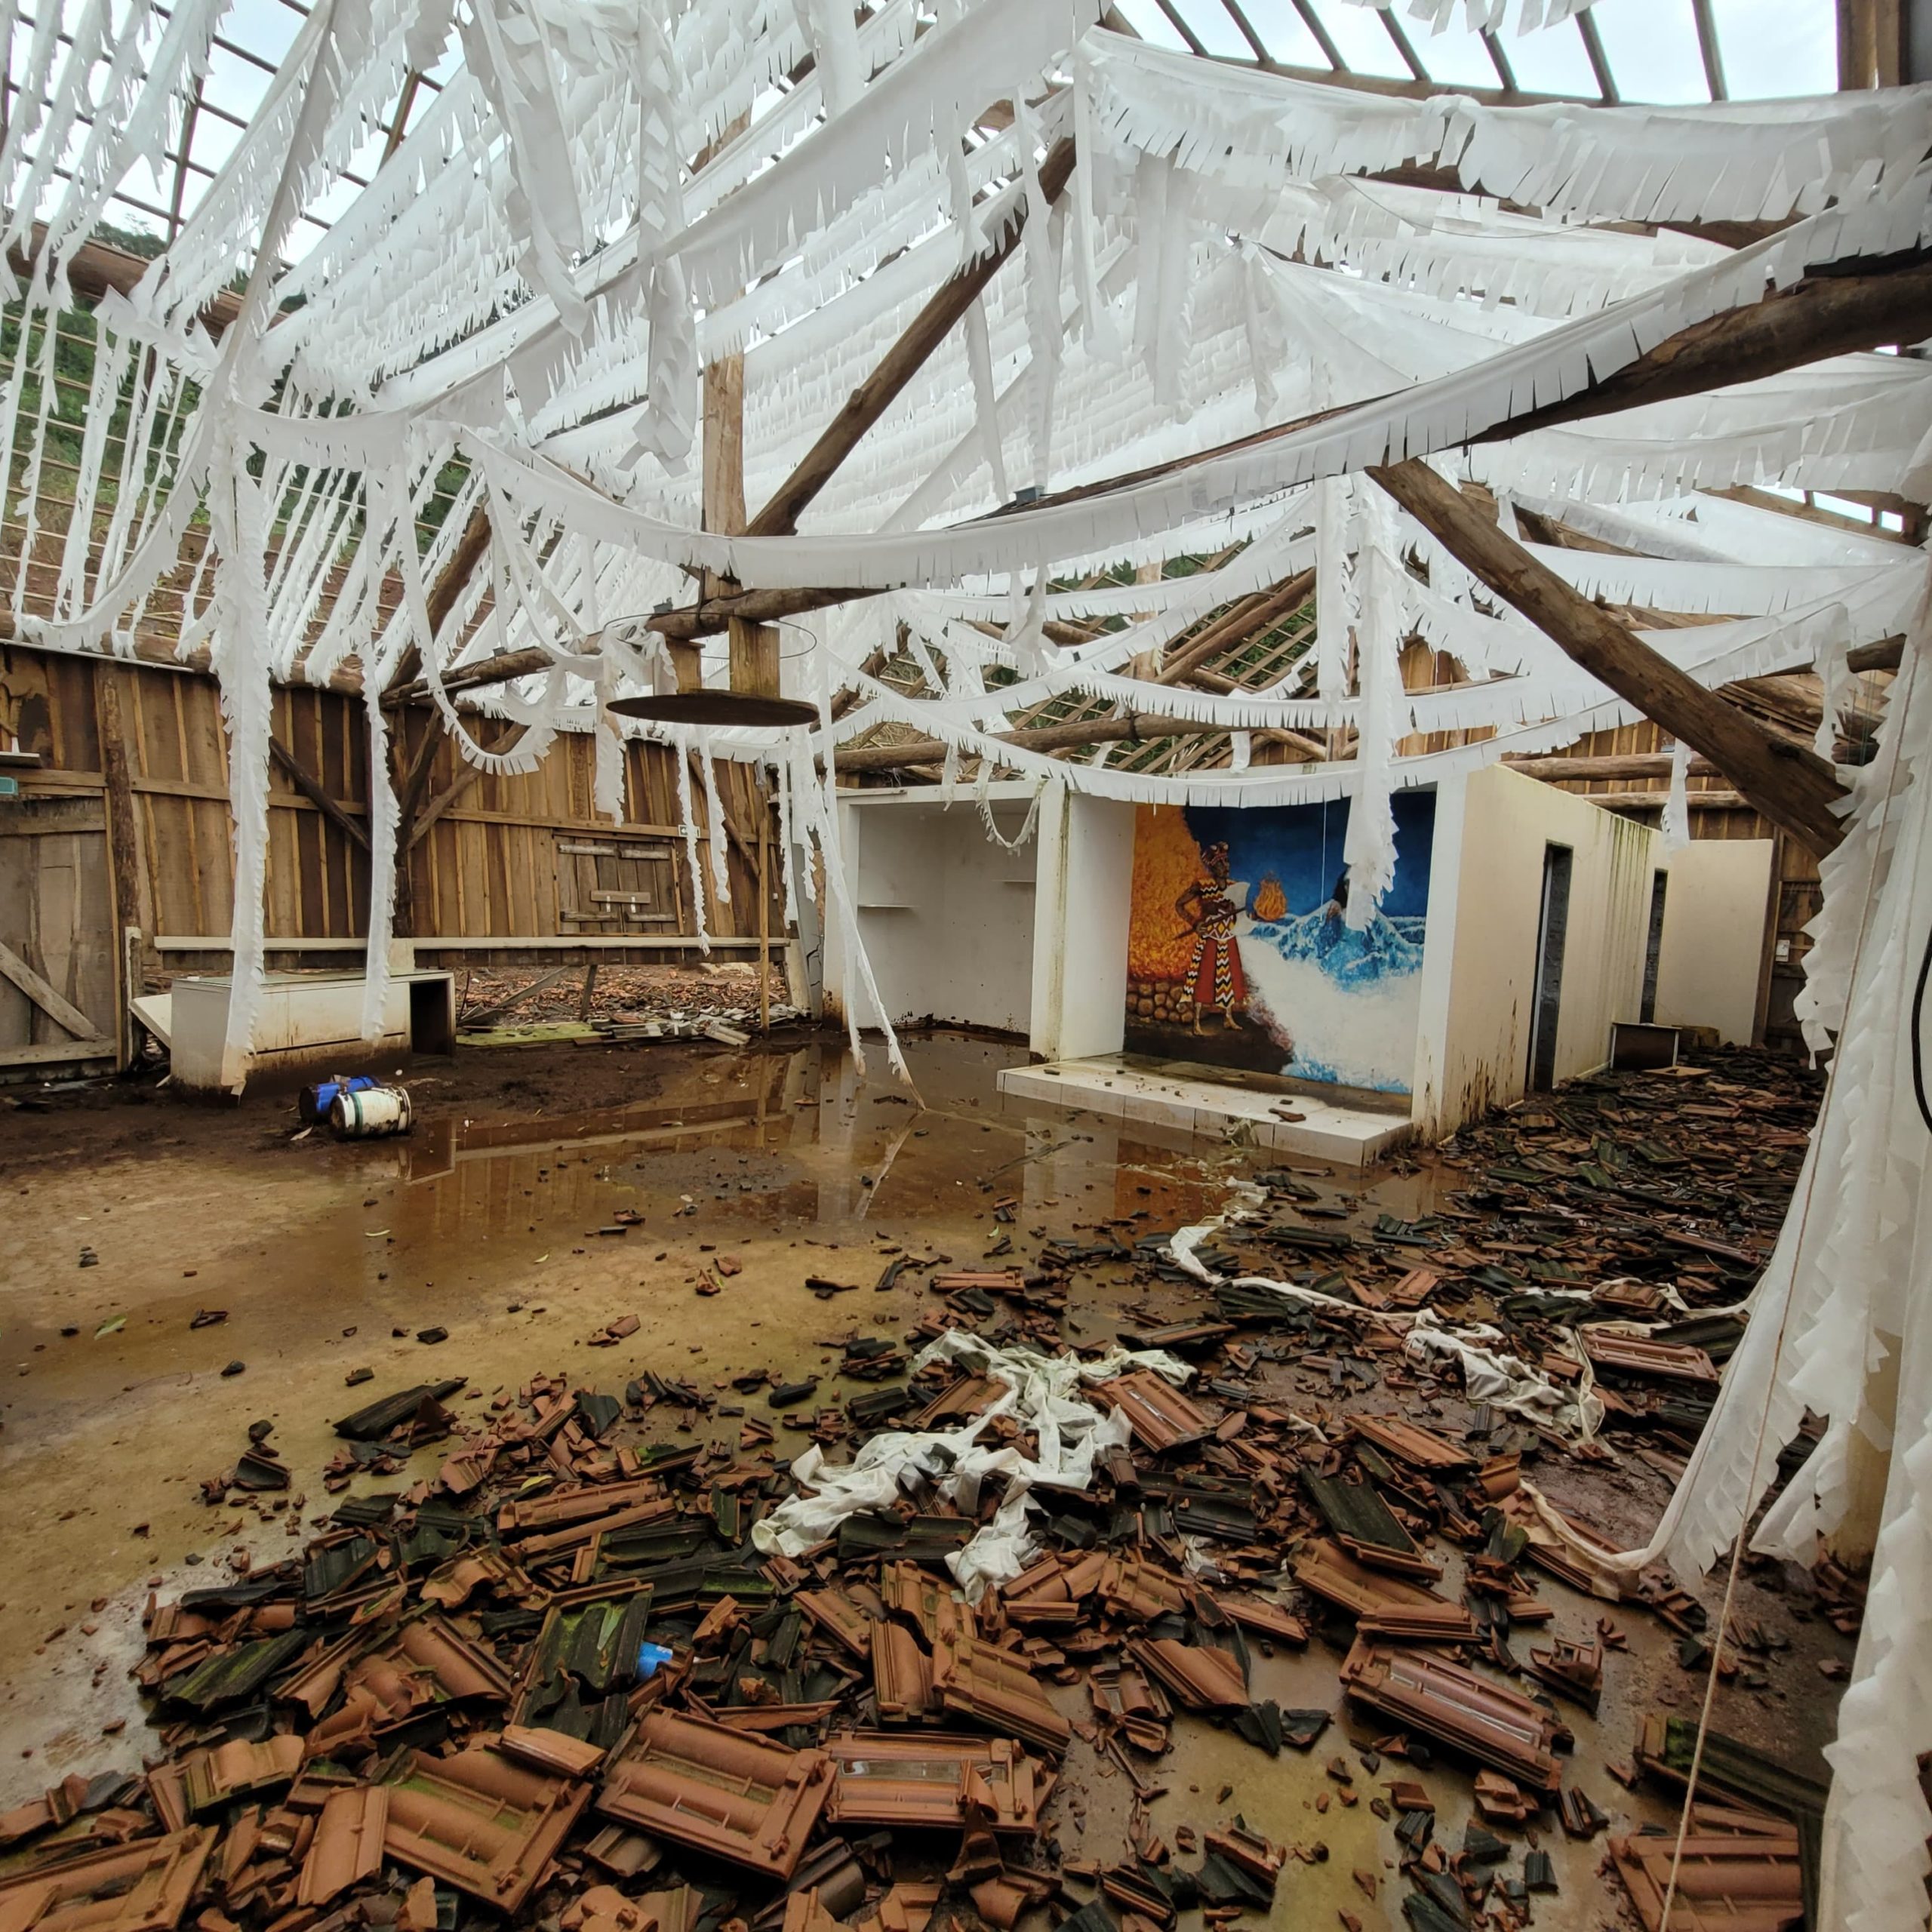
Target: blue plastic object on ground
{"type": "Point", "coordinates": [649, 1657]}
{"type": "Point", "coordinates": [315, 1101]}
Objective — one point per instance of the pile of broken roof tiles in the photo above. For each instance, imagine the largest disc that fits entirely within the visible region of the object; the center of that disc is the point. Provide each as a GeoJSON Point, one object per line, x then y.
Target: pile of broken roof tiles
{"type": "Point", "coordinates": [559, 1680]}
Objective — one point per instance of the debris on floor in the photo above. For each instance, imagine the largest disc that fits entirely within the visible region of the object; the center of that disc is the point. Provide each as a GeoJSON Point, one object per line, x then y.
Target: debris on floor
{"type": "Point", "coordinates": [721, 1002]}
{"type": "Point", "coordinates": [598, 1681]}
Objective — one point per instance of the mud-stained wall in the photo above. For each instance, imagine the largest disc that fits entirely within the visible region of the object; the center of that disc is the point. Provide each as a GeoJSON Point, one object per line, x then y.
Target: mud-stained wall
{"type": "Point", "coordinates": [1479, 1055]}
{"type": "Point", "coordinates": [1715, 910]}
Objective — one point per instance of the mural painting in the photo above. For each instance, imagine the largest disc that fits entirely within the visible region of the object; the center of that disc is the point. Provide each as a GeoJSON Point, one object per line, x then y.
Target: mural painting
{"type": "Point", "coordinates": [1239, 952]}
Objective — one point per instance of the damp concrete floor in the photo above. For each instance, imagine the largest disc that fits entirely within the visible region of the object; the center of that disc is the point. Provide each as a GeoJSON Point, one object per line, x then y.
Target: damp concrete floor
{"type": "Point", "coordinates": [754, 1169]}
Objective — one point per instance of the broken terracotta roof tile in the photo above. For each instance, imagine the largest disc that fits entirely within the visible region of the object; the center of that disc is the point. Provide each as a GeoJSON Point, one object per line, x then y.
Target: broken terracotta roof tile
{"type": "Point", "coordinates": [480, 1823]}
{"type": "Point", "coordinates": [902, 1675]}
{"type": "Point", "coordinates": [347, 1847]}
{"type": "Point", "coordinates": [975, 1679]}
{"type": "Point", "coordinates": [933, 1778]}
{"type": "Point", "coordinates": [918, 1594]}
{"type": "Point", "coordinates": [1729, 1882]}
{"type": "Point", "coordinates": [1492, 1724]}
{"type": "Point", "coordinates": [142, 1887]}
{"type": "Point", "coordinates": [212, 1776]}
{"type": "Point", "coordinates": [1409, 1442]}
{"type": "Point", "coordinates": [1632, 1354]}
{"type": "Point", "coordinates": [725, 1792]}
{"type": "Point", "coordinates": [1264, 1619]}
{"type": "Point", "coordinates": [837, 1614]}
{"type": "Point", "coordinates": [1158, 1413]}
{"type": "Point", "coordinates": [546, 1750]}
{"type": "Point", "coordinates": [1332, 1573]}
{"type": "Point", "coordinates": [1201, 1677]}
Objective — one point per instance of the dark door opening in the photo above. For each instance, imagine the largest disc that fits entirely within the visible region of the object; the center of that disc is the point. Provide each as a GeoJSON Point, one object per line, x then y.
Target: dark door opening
{"type": "Point", "coordinates": [1653, 947]}
{"type": "Point", "coordinates": [429, 1029]}
{"type": "Point", "coordinates": [1551, 931]}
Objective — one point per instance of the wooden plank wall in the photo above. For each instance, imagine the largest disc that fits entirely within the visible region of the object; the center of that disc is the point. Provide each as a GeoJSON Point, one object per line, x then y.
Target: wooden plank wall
{"type": "Point", "coordinates": [56, 918]}
{"type": "Point", "coordinates": [487, 868]}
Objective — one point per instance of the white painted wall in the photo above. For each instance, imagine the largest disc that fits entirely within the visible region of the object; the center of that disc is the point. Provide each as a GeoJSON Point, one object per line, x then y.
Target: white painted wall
{"type": "Point", "coordinates": [945, 914]}
{"type": "Point", "coordinates": [303, 1017]}
{"type": "Point", "coordinates": [1081, 912]}
{"type": "Point", "coordinates": [1714, 912]}
{"type": "Point", "coordinates": [1491, 832]}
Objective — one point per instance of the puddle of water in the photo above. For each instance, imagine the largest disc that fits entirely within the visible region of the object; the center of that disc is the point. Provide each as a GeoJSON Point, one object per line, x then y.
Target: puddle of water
{"type": "Point", "coordinates": [328, 1259]}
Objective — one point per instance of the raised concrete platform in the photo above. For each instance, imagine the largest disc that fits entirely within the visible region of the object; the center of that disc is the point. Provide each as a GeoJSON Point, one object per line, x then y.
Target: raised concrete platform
{"type": "Point", "coordinates": [1168, 1097]}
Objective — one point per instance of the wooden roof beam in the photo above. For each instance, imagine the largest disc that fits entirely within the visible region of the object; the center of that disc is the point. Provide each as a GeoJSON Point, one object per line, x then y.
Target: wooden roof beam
{"type": "Point", "coordinates": [900, 364]}
{"type": "Point", "coordinates": [1790, 784]}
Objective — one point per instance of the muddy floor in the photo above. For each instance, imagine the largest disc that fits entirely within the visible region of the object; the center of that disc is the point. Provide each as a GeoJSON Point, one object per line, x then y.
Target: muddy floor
{"type": "Point", "coordinates": [128, 1215]}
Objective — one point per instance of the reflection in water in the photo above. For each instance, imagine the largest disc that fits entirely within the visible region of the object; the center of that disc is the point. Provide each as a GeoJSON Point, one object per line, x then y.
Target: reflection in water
{"type": "Point", "coordinates": [800, 1136]}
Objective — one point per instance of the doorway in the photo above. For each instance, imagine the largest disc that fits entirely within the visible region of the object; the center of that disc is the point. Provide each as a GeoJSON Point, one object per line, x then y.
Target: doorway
{"type": "Point", "coordinates": [1551, 928]}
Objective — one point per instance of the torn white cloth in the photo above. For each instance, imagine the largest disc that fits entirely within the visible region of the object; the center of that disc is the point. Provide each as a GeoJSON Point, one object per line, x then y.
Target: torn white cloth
{"type": "Point", "coordinates": [1040, 1394]}
{"type": "Point", "coordinates": [1501, 1380]}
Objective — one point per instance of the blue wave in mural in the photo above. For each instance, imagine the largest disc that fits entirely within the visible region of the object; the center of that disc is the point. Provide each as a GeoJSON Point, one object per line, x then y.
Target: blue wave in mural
{"type": "Point", "coordinates": [1386, 949]}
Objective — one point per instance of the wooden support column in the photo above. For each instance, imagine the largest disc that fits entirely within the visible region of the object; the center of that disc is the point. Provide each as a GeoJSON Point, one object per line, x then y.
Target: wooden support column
{"type": "Point", "coordinates": [1789, 783]}
{"type": "Point", "coordinates": [444, 594]}
{"type": "Point", "coordinates": [754, 647]}
{"type": "Point", "coordinates": [414, 789]}
{"type": "Point", "coordinates": [127, 882]}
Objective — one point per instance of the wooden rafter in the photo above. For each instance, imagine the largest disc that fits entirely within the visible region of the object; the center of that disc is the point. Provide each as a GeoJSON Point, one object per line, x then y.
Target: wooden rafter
{"type": "Point", "coordinates": [1599, 60]}
{"type": "Point", "coordinates": [900, 364]}
{"type": "Point", "coordinates": [1074, 734]}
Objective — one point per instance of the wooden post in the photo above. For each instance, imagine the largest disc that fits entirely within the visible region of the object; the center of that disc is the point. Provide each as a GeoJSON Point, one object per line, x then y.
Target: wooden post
{"type": "Point", "coordinates": [764, 920]}
{"type": "Point", "coordinates": [588, 993]}
{"type": "Point", "coordinates": [126, 890]}
{"type": "Point", "coordinates": [753, 647]}
{"type": "Point", "coordinates": [1789, 782]}
{"type": "Point", "coordinates": [472, 546]}
{"type": "Point", "coordinates": [1767, 957]}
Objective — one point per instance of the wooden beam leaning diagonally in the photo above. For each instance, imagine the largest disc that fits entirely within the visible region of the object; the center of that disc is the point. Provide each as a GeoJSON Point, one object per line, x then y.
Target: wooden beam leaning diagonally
{"type": "Point", "coordinates": [351, 828]}
{"type": "Point", "coordinates": [1240, 620]}
{"type": "Point", "coordinates": [472, 544]}
{"type": "Point", "coordinates": [467, 774]}
{"type": "Point", "coordinates": [1791, 785]}
{"type": "Point", "coordinates": [1834, 310]}
{"type": "Point", "coordinates": [50, 999]}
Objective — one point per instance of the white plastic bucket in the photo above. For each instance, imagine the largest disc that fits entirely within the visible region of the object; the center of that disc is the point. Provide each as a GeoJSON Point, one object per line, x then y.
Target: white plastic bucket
{"type": "Point", "coordinates": [370, 1114]}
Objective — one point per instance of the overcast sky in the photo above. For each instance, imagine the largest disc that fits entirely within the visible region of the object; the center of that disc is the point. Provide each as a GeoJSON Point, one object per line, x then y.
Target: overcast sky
{"type": "Point", "coordinates": [1768, 47]}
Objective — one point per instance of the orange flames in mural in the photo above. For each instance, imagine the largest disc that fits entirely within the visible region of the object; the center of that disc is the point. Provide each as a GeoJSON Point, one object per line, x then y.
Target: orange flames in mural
{"type": "Point", "coordinates": [1166, 862]}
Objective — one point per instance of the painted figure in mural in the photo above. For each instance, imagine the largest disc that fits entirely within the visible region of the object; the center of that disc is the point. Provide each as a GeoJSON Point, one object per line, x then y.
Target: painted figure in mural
{"type": "Point", "coordinates": [1214, 979]}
